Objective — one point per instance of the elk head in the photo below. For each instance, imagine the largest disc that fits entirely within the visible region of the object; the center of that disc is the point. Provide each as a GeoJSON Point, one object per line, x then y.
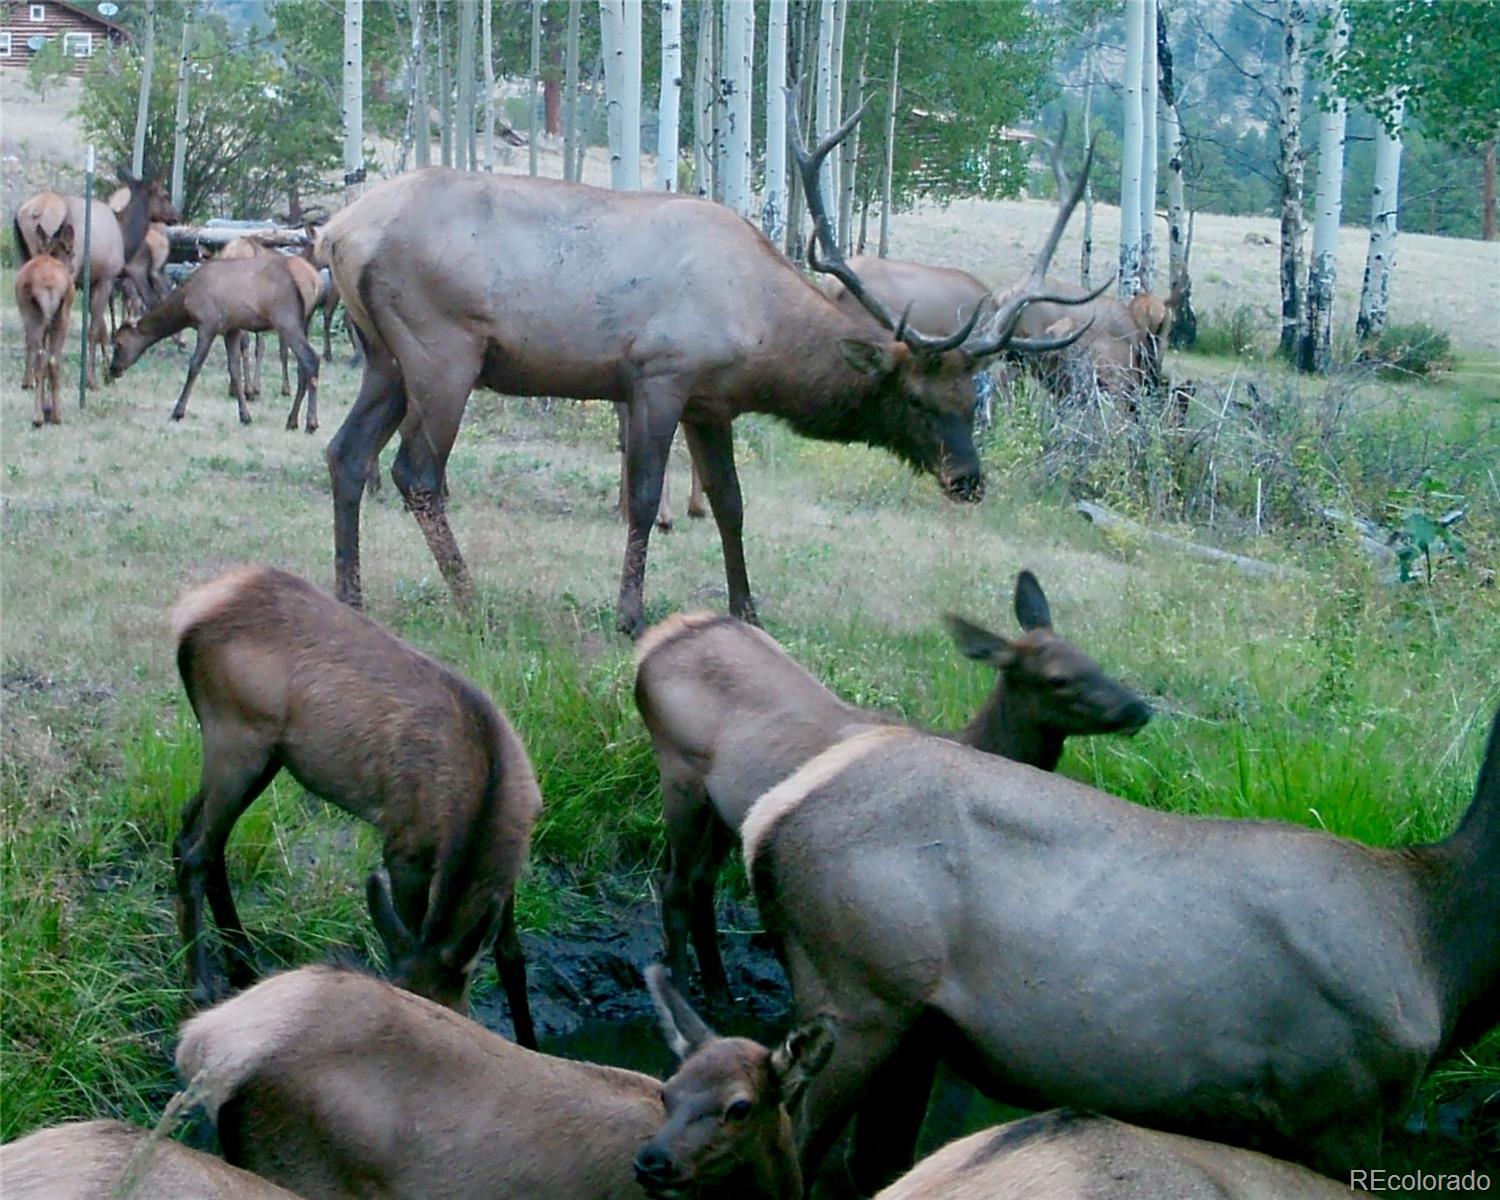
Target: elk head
{"type": "Point", "coordinates": [1049, 683]}
{"type": "Point", "coordinates": [130, 343]}
{"type": "Point", "coordinates": [439, 971]}
{"type": "Point", "coordinates": [726, 1107]}
{"type": "Point", "coordinates": [926, 382]}
{"type": "Point", "coordinates": [60, 245]}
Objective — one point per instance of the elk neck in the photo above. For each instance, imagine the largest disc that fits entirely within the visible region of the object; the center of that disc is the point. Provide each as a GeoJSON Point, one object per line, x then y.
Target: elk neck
{"type": "Point", "coordinates": [169, 316]}
{"type": "Point", "coordinates": [997, 728]}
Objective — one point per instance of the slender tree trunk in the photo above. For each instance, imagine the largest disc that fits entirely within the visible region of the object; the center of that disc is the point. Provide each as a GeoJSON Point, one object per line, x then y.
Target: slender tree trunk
{"type": "Point", "coordinates": [630, 113]}
{"type": "Point", "coordinates": [1489, 191]}
{"type": "Point", "coordinates": [533, 149]}
{"type": "Point", "coordinates": [421, 114]}
{"type": "Point", "coordinates": [445, 84]}
{"type": "Point", "coordinates": [464, 151]}
{"type": "Point", "coordinates": [611, 29]}
{"type": "Point", "coordinates": [1086, 255]}
{"type": "Point", "coordinates": [836, 105]}
{"type": "Point", "coordinates": [849, 151]}
{"type": "Point", "coordinates": [803, 73]}
{"type": "Point", "coordinates": [773, 208]}
{"type": "Point", "coordinates": [1130, 167]}
{"type": "Point", "coordinates": [722, 86]}
{"type": "Point", "coordinates": [143, 101]}
{"type": "Point", "coordinates": [887, 184]}
{"type": "Point", "coordinates": [739, 50]}
{"type": "Point", "coordinates": [488, 47]}
{"type": "Point", "coordinates": [704, 104]}
{"type": "Point", "coordinates": [1316, 351]}
{"type": "Point", "coordinates": [667, 118]}
{"type": "Point", "coordinates": [354, 98]}
{"type": "Point", "coordinates": [1380, 261]}
{"type": "Point", "coordinates": [570, 93]}
{"type": "Point", "coordinates": [1179, 278]}
{"type": "Point", "coordinates": [1293, 16]}
{"type": "Point", "coordinates": [1148, 149]}
{"type": "Point", "coordinates": [180, 124]}
{"type": "Point", "coordinates": [827, 106]}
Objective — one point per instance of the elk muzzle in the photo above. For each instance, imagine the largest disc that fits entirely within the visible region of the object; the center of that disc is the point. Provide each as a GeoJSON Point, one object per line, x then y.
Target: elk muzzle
{"type": "Point", "coordinates": [658, 1174]}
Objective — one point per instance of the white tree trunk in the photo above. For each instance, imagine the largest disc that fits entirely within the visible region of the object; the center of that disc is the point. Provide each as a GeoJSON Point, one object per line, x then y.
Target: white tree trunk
{"type": "Point", "coordinates": [1148, 149]}
{"type": "Point", "coordinates": [723, 83]}
{"type": "Point", "coordinates": [773, 208]}
{"type": "Point", "coordinates": [849, 151]}
{"type": "Point", "coordinates": [1130, 166]}
{"type": "Point", "coordinates": [180, 125]}
{"type": "Point", "coordinates": [464, 151]}
{"type": "Point", "coordinates": [1086, 255]}
{"type": "Point", "coordinates": [1380, 261]}
{"type": "Point", "coordinates": [1317, 341]}
{"type": "Point", "coordinates": [570, 93]}
{"type": "Point", "coordinates": [704, 104]}
{"type": "Point", "coordinates": [670, 102]}
{"type": "Point", "coordinates": [825, 105]}
{"type": "Point", "coordinates": [143, 101]}
{"type": "Point", "coordinates": [630, 83]}
{"type": "Point", "coordinates": [488, 46]}
{"type": "Point", "coordinates": [611, 22]}
{"type": "Point", "coordinates": [354, 98]}
{"type": "Point", "coordinates": [887, 186]}
{"type": "Point", "coordinates": [533, 143]}
{"type": "Point", "coordinates": [445, 84]}
{"type": "Point", "coordinates": [1289, 129]}
{"type": "Point", "coordinates": [836, 106]}
{"type": "Point", "coordinates": [420, 115]}
{"type": "Point", "coordinates": [739, 50]}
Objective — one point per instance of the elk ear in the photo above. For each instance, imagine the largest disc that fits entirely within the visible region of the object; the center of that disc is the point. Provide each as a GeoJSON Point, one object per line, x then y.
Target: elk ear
{"type": "Point", "coordinates": [1032, 609]}
{"type": "Point", "coordinates": [680, 1025]}
{"type": "Point", "coordinates": [805, 1052]}
{"type": "Point", "coordinates": [979, 644]}
{"type": "Point", "coordinates": [871, 358]}
{"type": "Point", "coordinates": [66, 239]}
{"type": "Point", "coordinates": [398, 939]}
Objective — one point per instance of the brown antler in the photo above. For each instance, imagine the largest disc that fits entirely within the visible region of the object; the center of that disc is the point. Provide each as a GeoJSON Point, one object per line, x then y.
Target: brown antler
{"type": "Point", "coordinates": [830, 259]}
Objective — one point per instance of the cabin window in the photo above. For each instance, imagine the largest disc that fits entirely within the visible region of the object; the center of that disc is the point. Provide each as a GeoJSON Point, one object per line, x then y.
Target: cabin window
{"type": "Point", "coordinates": [4, 45]}
{"type": "Point", "coordinates": [38, 12]}
{"type": "Point", "coordinates": [78, 45]}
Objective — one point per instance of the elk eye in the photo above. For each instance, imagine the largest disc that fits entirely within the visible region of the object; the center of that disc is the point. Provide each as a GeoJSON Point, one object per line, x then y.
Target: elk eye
{"type": "Point", "coordinates": [738, 1111]}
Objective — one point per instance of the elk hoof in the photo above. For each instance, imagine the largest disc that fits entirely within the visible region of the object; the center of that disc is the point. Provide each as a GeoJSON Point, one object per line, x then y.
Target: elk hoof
{"type": "Point", "coordinates": [209, 992]}
{"type": "Point", "coordinates": [697, 511]}
{"type": "Point", "coordinates": [244, 418]}
{"type": "Point", "coordinates": [291, 424]}
{"type": "Point", "coordinates": [176, 415]}
{"type": "Point", "coordinates": [312, 427]}
{"type": "Point", "coordinates": [664, 524]}
{"type": "Point", "coordinates": [36, 423]}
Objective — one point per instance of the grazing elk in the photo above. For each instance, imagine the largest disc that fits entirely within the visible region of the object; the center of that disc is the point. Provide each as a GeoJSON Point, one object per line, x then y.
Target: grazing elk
{"type": "Point", "coordinates": [1121, 353]}
{"type": "Point", "coordinates": [1066, 1155]}
{"type": "Point", "coordinates": [44, 297]}
{"type": "Point", "coordinates": [279, 675]}
{"type": "Point", "coordinates": [1263, 984]}
{"type": "Point", "coordinates": [341, 1088]}
{"type": "Point", "coordinates": [229, 298]}
{"type": "Point", "coordinates": [676, 307]}
{"type": "Point", "coordinates": [113, 240]}
{"type": "Point", "coordinates": [108, 1160]}
{"type": "Point", "coordinates": [731, 715]}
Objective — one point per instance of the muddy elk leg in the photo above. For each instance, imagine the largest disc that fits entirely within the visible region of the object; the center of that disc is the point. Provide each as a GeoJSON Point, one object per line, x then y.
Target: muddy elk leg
{"type": "Point", "coordinates": [353, 453]}
{"type": "Point", "coordinates": [420, 472]}
{"type": "Point", "coordinates": [664, 510]}
{"type": "Point", "coordinates": [233, 341]}
{"type": "Point", "coordinates": [654, 411]}
{"type": "Point", "coordinates": [691, 862]}
{"type": "Point", "coordinates": [712, 446]}
{"type": "Point", "coordinates": [886, 1128]}
{"type": "Point", "coordinates": [206, 338]}
{"type": "Point", "coordinates": [510, 962]}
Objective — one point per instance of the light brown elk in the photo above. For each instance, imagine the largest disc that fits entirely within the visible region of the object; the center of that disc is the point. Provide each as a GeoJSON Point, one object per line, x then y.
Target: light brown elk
{"type": "Point", "coordinates": [1066, 1155]}
{"type": "Point", "coordinates": [113, 239]}
{"type": "Point", "coordinates": [1262, 984]}
{"type": "Point", "coordinates": [44, 298]}
{"type": "Point", "coordinates": [281, 675]}
{"type": "Point", "coordinates": [108, 1160]}
{"type": "Point", "coordinates": [229, 299]}
{"type": "Point", "coordinates": [676, 307]}
{"type": "Point", "coordinates": [341, 1088]}
{"type": "Point", "coordinates": [1121, 353]}
{"type": "Point", "coordinates": [731, 715]}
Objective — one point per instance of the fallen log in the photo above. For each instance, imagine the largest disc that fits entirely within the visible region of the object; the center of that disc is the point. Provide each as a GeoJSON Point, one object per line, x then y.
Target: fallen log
{"type": "Point", "coordinates": [1108, 519]}
{"type": "Point", "coordinates": [193, 242]}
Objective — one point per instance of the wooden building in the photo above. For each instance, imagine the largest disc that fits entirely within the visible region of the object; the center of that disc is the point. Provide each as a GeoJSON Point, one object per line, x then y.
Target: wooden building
{"type": "Point", "coordinates": [26, 24]}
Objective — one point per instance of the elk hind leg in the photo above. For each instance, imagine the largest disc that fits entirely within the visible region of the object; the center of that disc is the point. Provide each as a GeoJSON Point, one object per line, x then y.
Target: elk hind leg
{"type": "Point", "coordinates": [510, 963]}
{"type": "Point", "coordinates": [712, 446]}
{"type": "Point", "coordinates": [234, 342]}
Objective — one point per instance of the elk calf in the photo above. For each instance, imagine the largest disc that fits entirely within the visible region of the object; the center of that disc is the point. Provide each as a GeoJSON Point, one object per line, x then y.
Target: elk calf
{"type": "Point", "coordinates": [1258, 983]}
{"type": "Point", "coordinates": [282, 675]}
{"type": "Point", "coordinates": [1065, 1155]}
{"type": "Point", "coordinates": [341, 1088]}
{"type": "Point", "coordinates": [731, 715]}
{"type": "Point", "coordinates": [107, 1160]}
{"type": "Point", "coordinates": [229, 298]}
{"type": "Point", "coordinates": [44, 296]}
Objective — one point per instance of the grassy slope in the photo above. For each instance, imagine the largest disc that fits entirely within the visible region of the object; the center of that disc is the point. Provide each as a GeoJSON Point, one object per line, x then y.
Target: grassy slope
{"type": "Point", "coordinates": [1327, 700]}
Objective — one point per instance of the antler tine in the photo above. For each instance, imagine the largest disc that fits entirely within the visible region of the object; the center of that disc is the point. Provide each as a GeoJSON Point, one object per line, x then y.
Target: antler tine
{"type": "Point", "coordinates": [1003, 327]}
{"type": "Point", "coordinates": [1064, 215]}
{"type": "Point", "coordinates": [1055, 155]}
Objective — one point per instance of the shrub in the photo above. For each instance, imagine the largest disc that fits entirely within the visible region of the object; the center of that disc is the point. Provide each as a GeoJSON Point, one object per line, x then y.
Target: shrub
{"type": "Point", "coordinates": [1232, 333]}
{"type": "Point", "coordinates": [1415, 349]}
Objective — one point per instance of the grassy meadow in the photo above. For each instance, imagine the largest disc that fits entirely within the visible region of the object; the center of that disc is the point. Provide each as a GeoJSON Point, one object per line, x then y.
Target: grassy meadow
{"type": "Point", "coordinates": [1324, 698]}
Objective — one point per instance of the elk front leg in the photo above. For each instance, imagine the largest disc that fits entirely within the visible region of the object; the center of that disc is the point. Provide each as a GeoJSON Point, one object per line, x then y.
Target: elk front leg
{"type": "Point", "coordinates": [886, 1128]}
{"type": "Point", "coordinates": [354, 453]}
{"type": "Point", "coordinates": [510, 962]}
{"type": "Point", "coordinates": [652, 422]}
{"type": "Point", "coordinates": [693, 859]}
{"type": "Point", "coordinates": [195, 364]}
{"type": "Point", "coordinates": [98, 331]}
{"type": "Point", "coordinates": [712, 447]}
{"type": "Point", "coordinates": [307, 376]}
{"type": "Point", "coordinates": [664, 510]}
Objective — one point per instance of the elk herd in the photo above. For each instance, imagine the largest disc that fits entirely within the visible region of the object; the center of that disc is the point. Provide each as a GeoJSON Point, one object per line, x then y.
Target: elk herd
{"type": "Point", "coordinates": [1200, 1008]}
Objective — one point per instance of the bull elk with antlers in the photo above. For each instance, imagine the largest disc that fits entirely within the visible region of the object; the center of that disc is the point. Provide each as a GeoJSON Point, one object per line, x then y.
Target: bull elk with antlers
{"type": "Point", "coordinates": [676, 307]}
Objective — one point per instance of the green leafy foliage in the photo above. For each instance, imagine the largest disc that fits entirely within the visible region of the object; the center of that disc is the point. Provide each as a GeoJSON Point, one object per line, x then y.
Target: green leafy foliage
{"type": "Point", "coordinates": [1414, 349]}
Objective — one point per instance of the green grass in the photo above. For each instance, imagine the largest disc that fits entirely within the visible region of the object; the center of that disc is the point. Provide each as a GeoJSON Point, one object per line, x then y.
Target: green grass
{"type": "Point", "coordinates": [1327, 700]}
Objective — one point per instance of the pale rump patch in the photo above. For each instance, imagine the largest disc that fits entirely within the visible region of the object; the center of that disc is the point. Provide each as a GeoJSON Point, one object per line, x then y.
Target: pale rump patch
{"type": "Point", "coordinates": [771, 806]}
{"type": "Point", "coordinates": [666, 630]}
{"type": "Point", "coordinates": [201, 602]}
